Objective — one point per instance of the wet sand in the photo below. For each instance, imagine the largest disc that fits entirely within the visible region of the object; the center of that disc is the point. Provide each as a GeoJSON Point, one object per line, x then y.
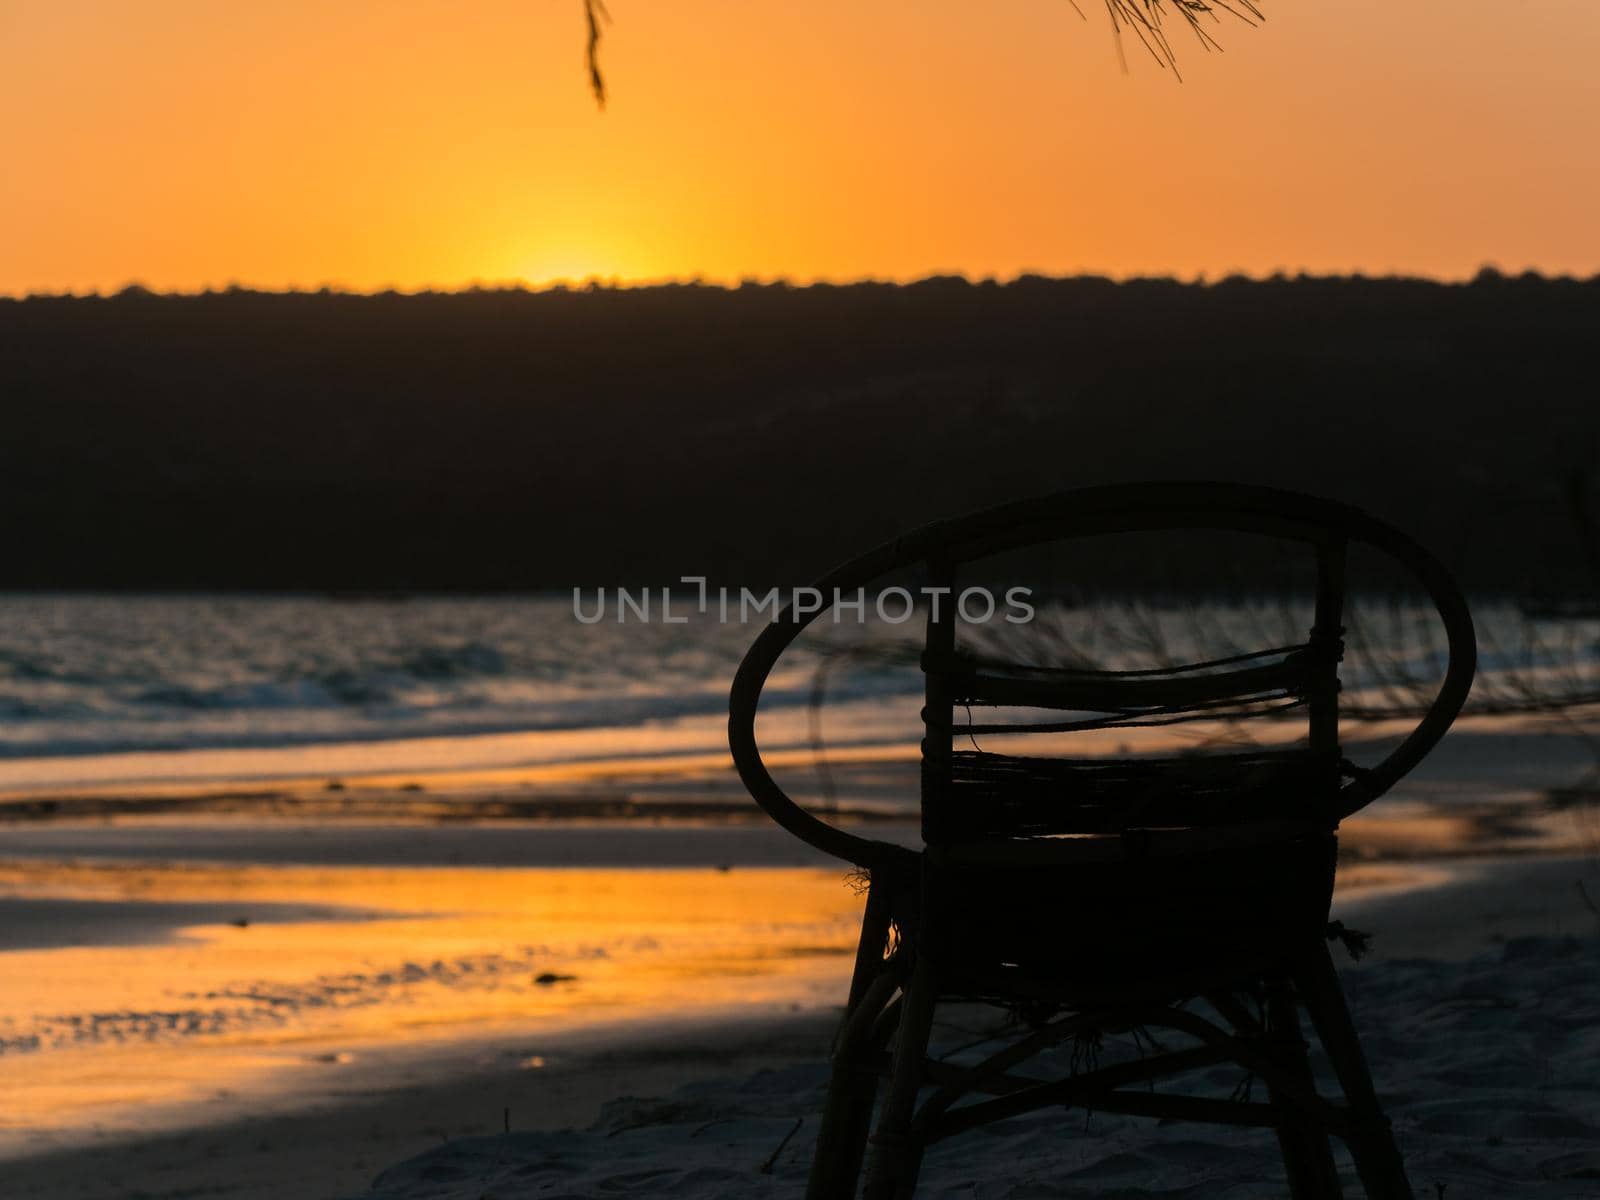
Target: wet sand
{"type": "Point", "coordinates": [142, 990]}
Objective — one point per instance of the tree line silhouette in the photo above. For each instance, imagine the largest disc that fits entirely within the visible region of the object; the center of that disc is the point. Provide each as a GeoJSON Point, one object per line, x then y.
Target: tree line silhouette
{"type": "Point", "coordinates": [510, 439]}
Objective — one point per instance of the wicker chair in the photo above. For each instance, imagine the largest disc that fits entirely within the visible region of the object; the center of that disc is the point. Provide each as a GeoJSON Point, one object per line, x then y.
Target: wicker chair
{"type": "Point", "coordinates": [1108, 894]}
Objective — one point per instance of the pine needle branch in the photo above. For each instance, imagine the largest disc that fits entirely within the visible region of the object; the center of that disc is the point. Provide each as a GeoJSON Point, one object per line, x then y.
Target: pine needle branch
{"type": "Point", "coordinates": [1147, 20]}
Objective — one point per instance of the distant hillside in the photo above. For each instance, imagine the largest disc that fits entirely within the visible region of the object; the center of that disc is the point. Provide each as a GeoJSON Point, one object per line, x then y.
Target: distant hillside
{"type": "Point", "coordinates": [508, 439]}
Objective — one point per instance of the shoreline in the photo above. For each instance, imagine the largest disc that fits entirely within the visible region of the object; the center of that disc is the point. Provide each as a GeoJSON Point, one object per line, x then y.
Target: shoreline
{"type": "Point", "coordinates": [619, 832]}
{"type": "Point", "coordinates": [661, 753]}
{"type": "Point", "coordinates": [1496, 787]}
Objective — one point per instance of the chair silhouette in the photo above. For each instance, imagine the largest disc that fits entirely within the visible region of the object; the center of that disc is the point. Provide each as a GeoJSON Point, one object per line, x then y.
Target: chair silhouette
{"type": "Point", "coordinates": [1107, 895]}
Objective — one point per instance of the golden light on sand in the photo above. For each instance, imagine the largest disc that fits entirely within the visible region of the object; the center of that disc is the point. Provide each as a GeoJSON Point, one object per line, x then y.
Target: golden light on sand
{"type": "Point", "coordinates": [241, 993]}
{"type": "Point", "coordinates": [370, 144]}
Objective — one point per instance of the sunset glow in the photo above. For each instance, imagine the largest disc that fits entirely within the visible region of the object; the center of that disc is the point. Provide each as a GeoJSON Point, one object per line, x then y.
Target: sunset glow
{"type": "Point", "coordinates": [185, 144]}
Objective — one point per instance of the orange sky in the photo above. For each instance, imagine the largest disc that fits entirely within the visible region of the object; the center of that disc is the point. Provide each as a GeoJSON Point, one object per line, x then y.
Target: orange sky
{"type": "Point", "coordinates": [367, 143]}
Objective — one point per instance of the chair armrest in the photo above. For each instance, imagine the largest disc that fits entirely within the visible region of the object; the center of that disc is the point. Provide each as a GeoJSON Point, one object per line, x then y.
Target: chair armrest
{"type": "Point", "coordinates": [1462, 640]}
{"type": "Point", "coordinates": [743, 701]}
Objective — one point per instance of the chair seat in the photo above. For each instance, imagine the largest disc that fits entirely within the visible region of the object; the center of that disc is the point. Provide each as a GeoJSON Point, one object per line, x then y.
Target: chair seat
{"type": "Point", "coordinates": [1097, 917]}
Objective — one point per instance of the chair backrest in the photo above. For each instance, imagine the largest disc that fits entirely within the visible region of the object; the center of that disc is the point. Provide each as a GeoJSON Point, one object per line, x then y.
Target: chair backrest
{"type": "Point", "coordinates": [975, 794]}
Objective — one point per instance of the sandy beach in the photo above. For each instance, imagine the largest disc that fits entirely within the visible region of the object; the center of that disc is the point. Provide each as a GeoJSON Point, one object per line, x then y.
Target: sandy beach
{"type": "Point", "coordinates": [699, 1095]}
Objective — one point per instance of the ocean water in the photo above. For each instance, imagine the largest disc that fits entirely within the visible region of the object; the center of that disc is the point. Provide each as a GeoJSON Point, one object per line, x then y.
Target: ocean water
{"type": "Point", "coordinates": [96, 676]}
{"type": "Point", "coordinates": [98, 690]}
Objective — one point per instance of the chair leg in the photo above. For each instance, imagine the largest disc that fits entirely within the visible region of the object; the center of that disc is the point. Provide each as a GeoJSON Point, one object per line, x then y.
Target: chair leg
{"type": "Point", "coordinates": [896, 1157]}
{"type": "Point", "coordinates": [1371, 1141]}
{"type": "Point", "coordinates": [852, 1090]}
{"type": "Point", "coordinates": [1307, 1154]}
{"type": "Point", "coordinates": [873, 943]}
{"type": "Point", "coordinates": [853, 1082]}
